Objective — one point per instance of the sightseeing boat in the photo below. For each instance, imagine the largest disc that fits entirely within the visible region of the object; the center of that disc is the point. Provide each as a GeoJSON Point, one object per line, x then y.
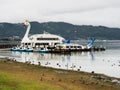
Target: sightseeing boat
{"type": "Point", "coordinates": [38, 42]}
{"type": "Point", "coordinates": [68, 46]}
{"type": "Point", "coordinates": [47, 42]}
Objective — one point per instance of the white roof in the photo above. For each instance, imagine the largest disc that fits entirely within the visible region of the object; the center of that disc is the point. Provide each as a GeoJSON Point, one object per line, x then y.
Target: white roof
{"type": "Point", "coordinates": [44, 35]}
{"type": "Point", "coordinates": [33, 38]}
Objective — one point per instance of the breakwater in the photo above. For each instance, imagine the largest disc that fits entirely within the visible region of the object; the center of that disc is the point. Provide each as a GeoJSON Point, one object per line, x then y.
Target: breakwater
{"type": "Point", "coordinates": [7, 46]}
{"type": "Point", "coordinates": [8, 43]}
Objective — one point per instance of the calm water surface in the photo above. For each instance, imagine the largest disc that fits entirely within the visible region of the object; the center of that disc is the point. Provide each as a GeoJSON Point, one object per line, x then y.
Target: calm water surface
{"type": "Point", "coordinates": [105, 62]}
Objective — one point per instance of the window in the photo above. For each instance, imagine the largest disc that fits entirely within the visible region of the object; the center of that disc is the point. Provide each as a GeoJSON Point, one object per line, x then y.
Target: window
{"type": "Point", "coordinates": [27, 43]}
{"type": "Point", "coordinates": [79, 47]}
{"type": "Point", "coordinates": [41, 43]}
{"type": "Point", "coordinates": [67, 46]}
{"type": "Point", "coordinates": [75, 46]}
{"type": "Point", "coordinates": [47, 39]}
{"type": "Point", "coordinates": [71, 46]}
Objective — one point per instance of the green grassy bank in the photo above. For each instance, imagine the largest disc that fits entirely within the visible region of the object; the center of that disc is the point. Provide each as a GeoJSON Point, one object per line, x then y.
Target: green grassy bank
{"type": "Point", "coordinates": [22, 76]}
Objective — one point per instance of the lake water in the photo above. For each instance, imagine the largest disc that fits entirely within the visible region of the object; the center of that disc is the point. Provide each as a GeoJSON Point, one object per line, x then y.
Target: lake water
{"type": "Point", "coordinates": [104, 62]}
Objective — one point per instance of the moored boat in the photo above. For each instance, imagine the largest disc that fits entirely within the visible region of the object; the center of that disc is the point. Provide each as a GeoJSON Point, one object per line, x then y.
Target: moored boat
{"type": "Point", "coordinates": [15, 49]}
{"type": "Point", "coordinates": [43, 51]}
{"type": "Point", "coordinates": [28, 50]}
{"type": "Point", "coordinates": [37, 41]}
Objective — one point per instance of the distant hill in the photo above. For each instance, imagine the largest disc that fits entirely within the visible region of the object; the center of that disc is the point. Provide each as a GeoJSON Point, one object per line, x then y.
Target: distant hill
{"type": "Point", "coordinates": [66, 30]}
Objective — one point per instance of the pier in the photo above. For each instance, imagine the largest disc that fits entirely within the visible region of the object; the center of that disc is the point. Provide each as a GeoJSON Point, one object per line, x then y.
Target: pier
{"type": "Point", "coordinates": [3, 46]}
{"type": "Point", "coordinates": [77, 50]}
{"type": "Point", "coordinates": [9, 43]}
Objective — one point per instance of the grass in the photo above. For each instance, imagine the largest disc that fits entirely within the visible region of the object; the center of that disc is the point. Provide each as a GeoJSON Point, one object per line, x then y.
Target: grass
{"type": "Point", "coordinates": [21, 76]}
{"type": "Point", "coordinates": [8, 81]}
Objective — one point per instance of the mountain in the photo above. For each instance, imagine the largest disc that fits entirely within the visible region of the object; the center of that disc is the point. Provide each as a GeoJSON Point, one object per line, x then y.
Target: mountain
{"type": "Point", "coordinates": [66, 30]}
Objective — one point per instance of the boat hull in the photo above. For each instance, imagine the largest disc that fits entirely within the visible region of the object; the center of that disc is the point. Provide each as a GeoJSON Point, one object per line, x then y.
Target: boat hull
{"type": "Point", "coordinates": [22, 50]}
{"type": "Point", "coordinates": [43, 51]}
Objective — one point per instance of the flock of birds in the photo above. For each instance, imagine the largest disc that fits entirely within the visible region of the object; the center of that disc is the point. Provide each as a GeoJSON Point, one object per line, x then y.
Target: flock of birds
{"type": "Point", "coordinates": [78, 68]}
{"type": "Point", "coordinates": [72, 66]}
{"type": "Point", "coordinates": [113, 64]}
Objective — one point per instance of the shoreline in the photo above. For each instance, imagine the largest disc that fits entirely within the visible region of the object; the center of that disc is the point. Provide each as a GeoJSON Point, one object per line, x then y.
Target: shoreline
{"type": "Point", "coordinates": [27, 62]}
{"type": "Point", "coordinates": [60, 77]}
{"type": "Point", "coordinates": [77, 70]}
{"type": "Point", "coordinates": [7, 57]}
{"type": "Point", "coordinates": [14, 60]}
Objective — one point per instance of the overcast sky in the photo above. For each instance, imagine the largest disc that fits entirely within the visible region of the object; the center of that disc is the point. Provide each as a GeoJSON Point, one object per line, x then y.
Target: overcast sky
{"type": "Point", "coordinates": [80, 12]}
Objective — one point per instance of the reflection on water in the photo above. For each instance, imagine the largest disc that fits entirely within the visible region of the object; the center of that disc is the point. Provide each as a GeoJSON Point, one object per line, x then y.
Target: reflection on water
{"type": "Point", "coordinates": [106, 62]}
{"type": "Point", "coordinates": [29, 56]}
{"type": "Point", "coordinates": [71, 61]}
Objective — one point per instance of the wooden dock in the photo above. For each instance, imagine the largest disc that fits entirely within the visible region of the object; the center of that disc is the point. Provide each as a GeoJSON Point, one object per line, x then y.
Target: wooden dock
{"type": "Point", "coordinates": [76, 50]}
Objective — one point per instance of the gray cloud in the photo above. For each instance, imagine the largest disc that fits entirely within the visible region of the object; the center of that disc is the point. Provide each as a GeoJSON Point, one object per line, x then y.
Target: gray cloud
{"type": "Point", "coordinates": [95, 12]}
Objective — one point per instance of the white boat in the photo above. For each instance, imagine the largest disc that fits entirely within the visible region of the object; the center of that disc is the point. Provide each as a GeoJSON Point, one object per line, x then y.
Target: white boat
{"type": "Point", "coordinates": [43, 51]}
{"type": "Point", "coordinates": [73, 46]}
{"type": "Point", "coordinates": [28, 50]}
{"type": "Point", "coordinates": [17, 49]}
{"type": "Point", "coordinates": [39, 41]}
{"type": "Point", "coordinates": [14, 49]}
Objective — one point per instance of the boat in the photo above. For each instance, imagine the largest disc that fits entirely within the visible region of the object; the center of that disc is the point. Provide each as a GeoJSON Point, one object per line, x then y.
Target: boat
{"type": "Point", "coordinates": [28, 50]}
{"type": "Point", "coordinates": [68, 46]}
{"type": "Point", "coordinates": [38, 41]}
{"type": "Point", "coordinates": [14, 49]}
{"type": "Point", "coordinates": [43, 51]}
{"type": "Point", "coordinates": [90, 45]}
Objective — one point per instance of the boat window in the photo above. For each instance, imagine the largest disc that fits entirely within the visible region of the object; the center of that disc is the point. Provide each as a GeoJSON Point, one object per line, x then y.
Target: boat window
{"type": "Point", "coordinates": [41, 43]}
{"type": "Point", "coordinates": [71, 47]}
{"type": "Point", "coordinates": [47, 39]}
{"type": "Point", "coordinates": [75, 46]}
{"type": "Point", "coordinates": [79, 47]}
{"type": "Point", "coordinates": [56, 43]}
{"type": "Point", "coordinates": [29, 43]}
{"type": "Point", "coordinates": [67, 46]}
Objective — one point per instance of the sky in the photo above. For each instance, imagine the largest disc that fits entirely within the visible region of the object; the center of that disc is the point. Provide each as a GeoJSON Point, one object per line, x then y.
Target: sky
{"type": "Point", "coordinates": [78, 12]}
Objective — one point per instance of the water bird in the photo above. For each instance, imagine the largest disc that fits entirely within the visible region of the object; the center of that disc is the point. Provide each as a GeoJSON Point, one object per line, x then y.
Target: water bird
{"type": "Point", "coordinates": [39, 63]}
{"type": "Point", "coordinates": [74, 66]}
{"type": "Point", "coordinates": [46, 63]}
{"type": "Point", "coordinates": [28, 62]}
{"type": "Point", "coordinates": [92, 72]}
{"type": "Point", "coordinates": [57, 63]}
{"type": "Point", "coordinates": [66, 65]}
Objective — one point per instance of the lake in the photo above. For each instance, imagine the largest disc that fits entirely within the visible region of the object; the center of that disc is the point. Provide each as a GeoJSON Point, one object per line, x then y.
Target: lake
{"type": "Point", "coordinates": [105, 62]}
